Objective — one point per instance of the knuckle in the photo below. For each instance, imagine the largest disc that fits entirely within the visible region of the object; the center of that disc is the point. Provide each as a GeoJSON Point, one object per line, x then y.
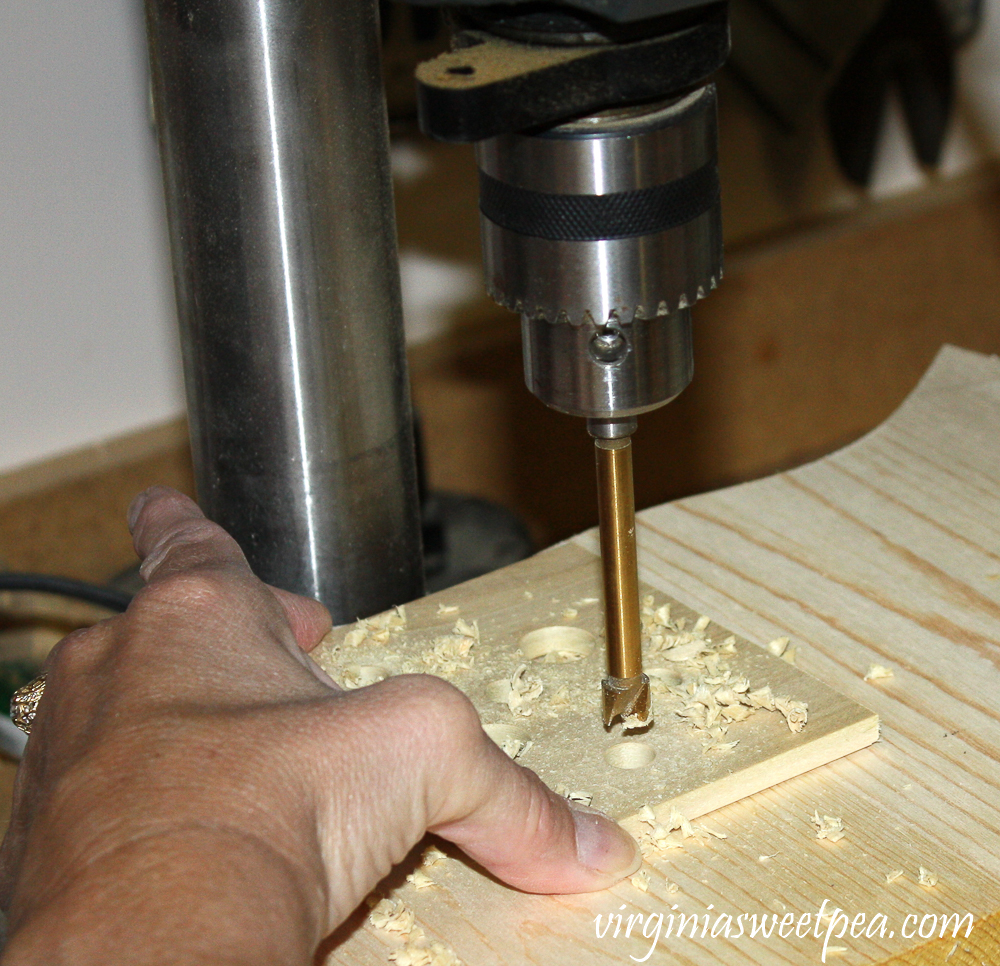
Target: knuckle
{"type": "Point", "coordinates": [183, 545]}
{"type": "Point", "coordinates": [184, 589]}
{"type": "Point", "coordinates": [77, 651]}
{"type": "Point", "coordinates": [443, 718]}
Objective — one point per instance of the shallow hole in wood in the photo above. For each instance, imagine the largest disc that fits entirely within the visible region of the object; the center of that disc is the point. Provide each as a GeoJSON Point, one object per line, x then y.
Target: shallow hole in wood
{"type": "Point", "coordinates": [630, 754]}
{"type": "Point", "coordinates": [557, 644]}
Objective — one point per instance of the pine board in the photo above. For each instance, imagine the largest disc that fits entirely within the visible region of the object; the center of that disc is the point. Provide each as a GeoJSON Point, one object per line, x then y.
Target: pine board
{"type": "Point", "coordinates": [885, 552]}
{"type": "Point", "coordinates": [569, 746]}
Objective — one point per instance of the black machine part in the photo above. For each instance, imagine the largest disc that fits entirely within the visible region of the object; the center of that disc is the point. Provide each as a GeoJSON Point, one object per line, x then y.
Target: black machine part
{"type": "Point", "coordinates": [518, 68]}
{"type": "Point", "coordinates": [620, 11]}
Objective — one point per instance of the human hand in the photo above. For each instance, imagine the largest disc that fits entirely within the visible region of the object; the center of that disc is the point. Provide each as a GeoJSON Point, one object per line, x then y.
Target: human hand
{"type": "Point", "coordinates": [195, 789]}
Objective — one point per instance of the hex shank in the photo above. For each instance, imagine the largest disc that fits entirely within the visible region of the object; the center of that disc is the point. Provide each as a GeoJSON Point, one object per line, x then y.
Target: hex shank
{"type": "Point", "coordinates": [616, 505]}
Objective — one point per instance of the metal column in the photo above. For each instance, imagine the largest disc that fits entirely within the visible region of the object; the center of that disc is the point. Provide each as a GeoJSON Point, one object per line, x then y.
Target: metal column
{"type": "Point", "coordinates": [274, 144]}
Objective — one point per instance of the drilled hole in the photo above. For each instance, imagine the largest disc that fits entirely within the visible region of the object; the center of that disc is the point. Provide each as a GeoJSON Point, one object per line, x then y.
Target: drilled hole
{"type": "Point", "coordinates": [464, 70]}
{"type": "Point", "coordinates": [630, 754]}
{"type": "Point", "coordinates": [557, 644]}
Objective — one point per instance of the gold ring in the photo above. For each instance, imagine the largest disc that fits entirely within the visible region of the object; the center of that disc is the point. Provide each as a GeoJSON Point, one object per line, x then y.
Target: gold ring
{"type": "Point", "coordinates": [24, 703]}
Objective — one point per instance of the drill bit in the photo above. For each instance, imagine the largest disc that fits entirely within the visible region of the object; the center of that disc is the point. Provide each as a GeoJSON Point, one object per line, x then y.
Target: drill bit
{"type": "Point", "coordinates": [626, 688]}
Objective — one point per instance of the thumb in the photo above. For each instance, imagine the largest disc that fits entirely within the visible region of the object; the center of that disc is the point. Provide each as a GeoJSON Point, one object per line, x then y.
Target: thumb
{"type": "Point", "coordinates": [417, 747]}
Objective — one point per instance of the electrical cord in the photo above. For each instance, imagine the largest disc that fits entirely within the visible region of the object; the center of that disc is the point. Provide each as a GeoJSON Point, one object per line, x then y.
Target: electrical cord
{"type": "Point", "coordinates": [115, 600]}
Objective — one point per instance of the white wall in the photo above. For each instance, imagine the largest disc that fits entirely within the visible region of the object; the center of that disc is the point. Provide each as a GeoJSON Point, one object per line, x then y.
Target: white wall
{"type": "Point", "coordinates": [87, 343]}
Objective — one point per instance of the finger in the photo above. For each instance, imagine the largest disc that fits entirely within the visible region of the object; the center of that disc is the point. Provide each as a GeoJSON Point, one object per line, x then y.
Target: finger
{"type": "Point", "coordinates": [533, 839]}
{"type": "Point", "coordinates": [309, 619]}
{"type": "Point", "coordinates": [407, 756]}
{"type": "Point", "coordinates": [172, 535]}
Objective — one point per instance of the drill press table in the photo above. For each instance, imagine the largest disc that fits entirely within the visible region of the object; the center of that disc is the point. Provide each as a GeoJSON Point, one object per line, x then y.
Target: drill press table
{"type": "Point", "coordinates": [885, 553]}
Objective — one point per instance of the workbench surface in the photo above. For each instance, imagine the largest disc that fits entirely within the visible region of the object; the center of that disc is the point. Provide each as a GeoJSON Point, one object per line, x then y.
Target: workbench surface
{"type": "Point", "coordinates": [885, 553]}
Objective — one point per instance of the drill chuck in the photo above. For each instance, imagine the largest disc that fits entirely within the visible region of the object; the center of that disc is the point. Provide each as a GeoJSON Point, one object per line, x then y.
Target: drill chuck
{"type": "Point", "coordinates": [601, 233]}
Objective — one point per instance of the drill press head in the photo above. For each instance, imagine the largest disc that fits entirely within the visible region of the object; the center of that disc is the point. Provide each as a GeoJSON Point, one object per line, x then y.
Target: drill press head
{"type": "Point", "coordinates": [602, 232]}
{"type": "Point", "coordinates": [599, 195]}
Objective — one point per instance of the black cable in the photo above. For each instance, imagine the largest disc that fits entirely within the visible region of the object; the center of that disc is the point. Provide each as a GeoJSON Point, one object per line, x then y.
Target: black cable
{"type": "Point", "coordinates": [65, 587]}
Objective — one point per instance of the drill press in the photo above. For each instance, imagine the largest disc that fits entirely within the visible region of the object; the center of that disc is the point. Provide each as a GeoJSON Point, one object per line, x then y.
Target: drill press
{"type": "Point", "coordinates": [599, 194]}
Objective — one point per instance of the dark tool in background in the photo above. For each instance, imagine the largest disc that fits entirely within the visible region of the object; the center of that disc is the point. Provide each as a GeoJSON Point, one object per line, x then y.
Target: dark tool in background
{"type": "Point", "coordinates": [800, 56]}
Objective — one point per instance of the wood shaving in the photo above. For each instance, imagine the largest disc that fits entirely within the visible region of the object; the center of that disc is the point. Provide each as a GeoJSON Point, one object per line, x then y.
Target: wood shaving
{"type": "Point", "coordinates": [361, 676]}
{"type": "Point", "coordinates": [836, 950]}
{"type": "Point", "coordinates": [464, 629]}
{"type": "Point", "coordinates": [393, 916]}
{"type": "Point", "coordinates": [378, 629]}
{"type": "Point", "coordinates": [927, 878]}
{"type": "Point", "coordinates": [673, 888]}
{"type": "Point", "coordinates": [707, 831]}
{"type": "Point", "coordinates": [796, 712]}
{"type": "Point", "coordinates": [789, 656]}
{"type": "Point", "coordinates": [877, 672]}
{"type": "Point", "coordinates": [667, 835]}
{"type": "Point", "coordinates": [514, 747]}
{"type": "Point", "coordinates": [421, 953]}
{"type": "Point", "coordinates": [560, 699]}
{"type": "Point", "coordinates": [721, 747]}
{"type": "Point", "coordinates": [420, 879]}
{"type": "Point", "coordinates": [709, 697]}
{"type": "Point", "coordinates": [891, 877]}
{"type": "Point", "coordinates": [640, 881]}
{"type": "Point", "coordinates": [582, 798]}
{"type": "Point", "coordinates": [446, 610]}
{"type": "Point", "coordinates": [432, 856]}
{"type": "Point", "coordinates": [522, 691]}
{"type": "Point", "coordinates": [569, 613]}
{"type": "Point", "coordinates": [828, 827]}
{"type": "Point", "coordinates": [453, 652]}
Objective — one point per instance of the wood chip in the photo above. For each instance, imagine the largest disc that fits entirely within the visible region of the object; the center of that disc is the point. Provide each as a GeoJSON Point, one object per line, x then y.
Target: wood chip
{"type": "Point", "coordinates": [446, 610]}
{"type": "Point", "coordinates": [421, 953]}
{"type": "Point", "coordinates": [392, 916]}
{"type": "Point", "coordinates": [640, 881]}
{"type": "Point", "coordinates": [524, 689]}
{"type": "Point", "coordinates": [582, 798]}
{"type": "Point", "coordinates": [778, 646]}
{"type": "Point", "coordinates": [377, 629]}
{"type": "Point", "coordinates": [877, 672]}
{"type": "Point", "coordinates": [432, 856]}
{"type": "Point", "coordinates": [796, 712]}
{"type": "Point", "coordinates": [420, 879]}
{"type": "Point", "coordinates": [927, 878]}
{"type": "Point", "coordinates": [828, 827]}
{"type": "Point", "coordinates": [891, 877]}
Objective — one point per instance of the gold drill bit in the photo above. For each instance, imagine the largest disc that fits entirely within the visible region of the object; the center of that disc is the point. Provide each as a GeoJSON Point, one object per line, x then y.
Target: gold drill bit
{"type": "Point", "coordinates": [626, 688]}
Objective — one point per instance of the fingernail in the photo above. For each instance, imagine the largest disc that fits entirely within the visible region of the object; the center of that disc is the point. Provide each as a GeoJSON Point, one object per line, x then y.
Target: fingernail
{"type": "Point", "coordinates": [603, 845]}
{"type": "Point", "coordinates": [136, 507]}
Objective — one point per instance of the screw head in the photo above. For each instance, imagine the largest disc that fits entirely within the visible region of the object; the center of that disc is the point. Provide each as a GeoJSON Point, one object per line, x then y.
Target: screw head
{"type": "Point", "coordinates": [608, 347]}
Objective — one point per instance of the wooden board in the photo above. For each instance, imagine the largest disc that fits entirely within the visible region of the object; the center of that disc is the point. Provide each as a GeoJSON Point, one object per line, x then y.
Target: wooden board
{"type": "Point", "coordinates": [887, 552]}
{"type": "Point", "coordinates": [559, 733]}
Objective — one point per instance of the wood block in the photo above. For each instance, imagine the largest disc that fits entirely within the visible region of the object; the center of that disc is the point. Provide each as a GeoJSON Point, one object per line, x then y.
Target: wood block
{"type": "Point", "coordinates": [531, 657]}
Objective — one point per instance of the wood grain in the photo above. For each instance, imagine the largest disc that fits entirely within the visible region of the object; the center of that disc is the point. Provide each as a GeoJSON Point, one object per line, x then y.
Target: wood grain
{"type": "Point", "coordinates": [569, 746]}
{"type": "Point", "coordinates": [887, 552]}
